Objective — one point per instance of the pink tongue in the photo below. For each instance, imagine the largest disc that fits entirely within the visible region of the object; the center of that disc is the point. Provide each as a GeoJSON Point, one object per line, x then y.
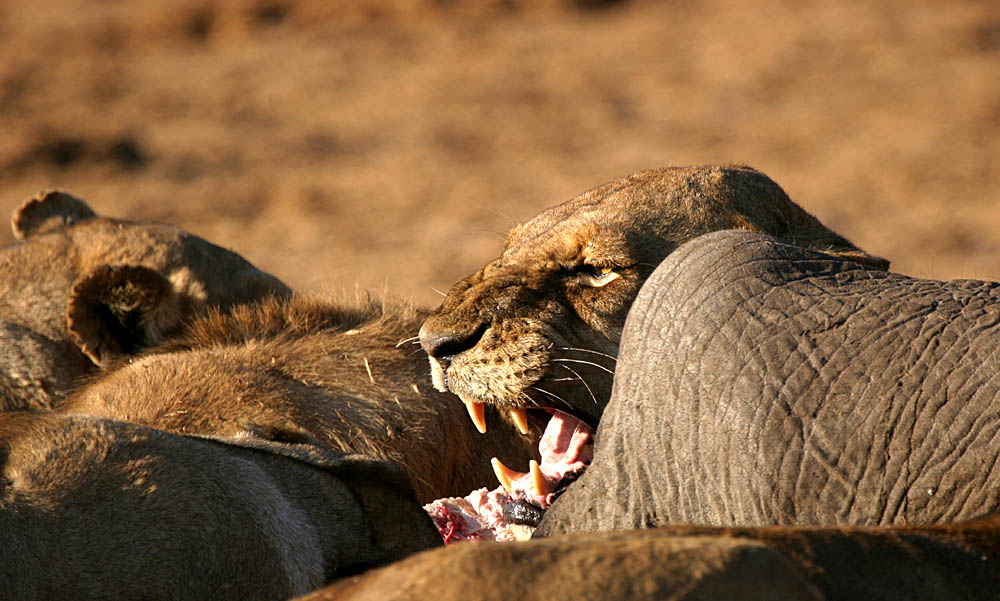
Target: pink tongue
{"type": "Point", "coordinates": [563, 443]}
{"type": "Point", "coordinates": [563, 451]}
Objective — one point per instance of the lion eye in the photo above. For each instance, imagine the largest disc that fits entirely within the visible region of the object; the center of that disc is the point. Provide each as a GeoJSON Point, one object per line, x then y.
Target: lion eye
{"type": "Point", "coordinates": [603, 276]}
{"type": "Point", "coordinates": [592, 275]}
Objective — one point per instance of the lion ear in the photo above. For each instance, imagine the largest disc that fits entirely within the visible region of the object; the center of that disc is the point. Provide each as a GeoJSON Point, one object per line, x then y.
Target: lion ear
{"type": "Point", "coordinates": [117, 310]}
{"type": "Point", "coordinates": [46, 211]}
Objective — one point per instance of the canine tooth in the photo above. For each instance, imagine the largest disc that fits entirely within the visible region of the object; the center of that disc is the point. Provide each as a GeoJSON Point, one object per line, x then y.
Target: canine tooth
{"type": "Point", "coordinates": [539, 482]}
{"type": "Point", "coordinates": [477, 411]}
{"type": "Point", "coordinates": [504, 474]}
{"type": "Point", "coordinates": [520, 417]}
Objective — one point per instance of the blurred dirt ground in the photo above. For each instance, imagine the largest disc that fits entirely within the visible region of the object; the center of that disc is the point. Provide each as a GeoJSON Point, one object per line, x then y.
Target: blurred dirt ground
{"type": "Point", "coordinates": [392, 143]}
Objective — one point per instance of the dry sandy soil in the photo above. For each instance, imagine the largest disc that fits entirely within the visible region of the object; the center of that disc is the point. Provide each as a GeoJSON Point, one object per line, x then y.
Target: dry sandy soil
{"type": "Point", "coordinates": [391, 143]}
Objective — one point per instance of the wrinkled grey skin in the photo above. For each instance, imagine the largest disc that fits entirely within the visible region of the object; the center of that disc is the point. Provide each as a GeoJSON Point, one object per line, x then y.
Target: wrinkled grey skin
{"type": "Point", "coordinates": [759, 383]}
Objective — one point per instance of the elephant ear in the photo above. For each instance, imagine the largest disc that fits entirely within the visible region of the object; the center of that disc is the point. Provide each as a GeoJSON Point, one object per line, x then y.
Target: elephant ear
{"type": "Point", "coordinates": [117, 310]}
{"type": "Point", "coordinates": [46, 211]}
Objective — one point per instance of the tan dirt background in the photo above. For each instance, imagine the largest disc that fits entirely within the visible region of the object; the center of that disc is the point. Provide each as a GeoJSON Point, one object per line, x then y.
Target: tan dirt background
{"type": "Point", "coordinates": [391, 143]}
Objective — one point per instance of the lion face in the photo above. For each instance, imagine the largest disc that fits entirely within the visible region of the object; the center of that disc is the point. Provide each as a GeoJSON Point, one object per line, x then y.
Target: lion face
{"type": "Point", "coordinates": [540, 326]}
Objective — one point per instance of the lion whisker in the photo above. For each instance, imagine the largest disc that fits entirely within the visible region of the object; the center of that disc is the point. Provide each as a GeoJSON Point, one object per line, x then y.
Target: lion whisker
{"type": "Point", "coordinates": [597, 365]}
{"type": "Point", "coordinates": [402, 342]}
{"type": "Point", "coordinates": [528, 398]}
{"type": "Point", "coordinates": [585, 350]}
{"type": "Point", "coordinates": [552, 394]}
{"type": "Point", "coordinates": [587, 386]}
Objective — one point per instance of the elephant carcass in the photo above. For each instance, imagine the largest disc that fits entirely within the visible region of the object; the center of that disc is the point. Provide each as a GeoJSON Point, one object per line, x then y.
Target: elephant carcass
{"type": "Point", "coordinates": [759, 383]}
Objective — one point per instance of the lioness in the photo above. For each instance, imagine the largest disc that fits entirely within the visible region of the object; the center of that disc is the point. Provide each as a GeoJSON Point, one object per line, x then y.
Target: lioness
{"type": "Point", "coordinates": [78, 289]}
{"type": "Point", "coordinates": [685, 563]}
{"type": "Point", "coordinates": [338, 372]}
{"type": "Point", "coordinates": [540, 325]}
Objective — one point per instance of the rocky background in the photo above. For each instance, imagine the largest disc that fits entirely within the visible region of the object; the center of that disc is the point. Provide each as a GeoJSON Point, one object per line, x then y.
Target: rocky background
{"type": "Point", "coordinates": [391, 143]}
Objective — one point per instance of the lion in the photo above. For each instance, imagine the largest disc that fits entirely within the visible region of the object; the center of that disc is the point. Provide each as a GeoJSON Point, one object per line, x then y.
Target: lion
{"type": "Point", "coordinates": [92, 508]}
{"type": "Point", "coordinates": [78, 290]}
{"type": "Point", "coordinates": [540, 325]}
{"type": "Point", "coordinates": [338, 372]}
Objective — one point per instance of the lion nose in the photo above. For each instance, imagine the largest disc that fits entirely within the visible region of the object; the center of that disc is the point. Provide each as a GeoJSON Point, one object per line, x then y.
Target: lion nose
{"type": "Point", "coordinates": [440, 341]}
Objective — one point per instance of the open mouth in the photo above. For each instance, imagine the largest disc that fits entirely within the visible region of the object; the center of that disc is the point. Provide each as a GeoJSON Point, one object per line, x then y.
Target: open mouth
{"type": "Point", "coordinates": [565, 449]}
{"type": "Point", "coordinates": [512, 510]}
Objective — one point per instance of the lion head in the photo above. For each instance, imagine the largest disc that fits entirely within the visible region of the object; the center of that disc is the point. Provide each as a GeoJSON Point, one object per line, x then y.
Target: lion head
{"type": "Point", "coordinates": [540, 326]}
{"type": "Point", "coordinates": [78, 290]}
